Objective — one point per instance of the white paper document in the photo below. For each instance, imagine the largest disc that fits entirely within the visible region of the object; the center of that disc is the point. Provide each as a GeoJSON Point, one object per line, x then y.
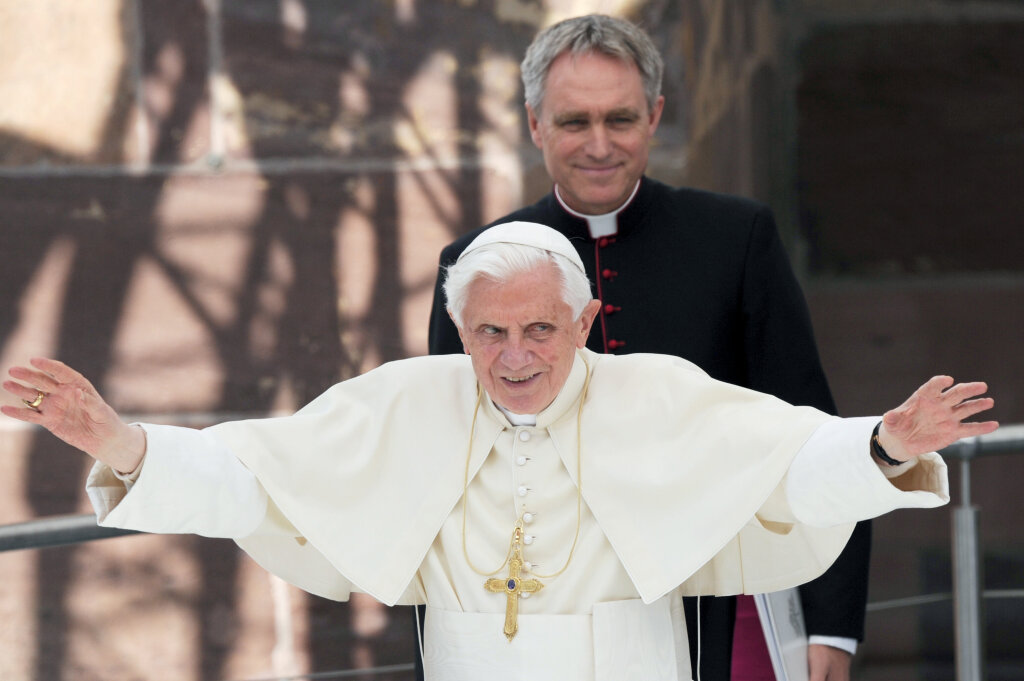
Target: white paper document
{"type": "Point", "coordinates": [782, 620]}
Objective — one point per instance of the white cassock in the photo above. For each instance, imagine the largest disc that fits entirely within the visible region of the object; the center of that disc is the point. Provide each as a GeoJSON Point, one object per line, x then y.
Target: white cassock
{"type": "Point", "coordinates": [690, 486]}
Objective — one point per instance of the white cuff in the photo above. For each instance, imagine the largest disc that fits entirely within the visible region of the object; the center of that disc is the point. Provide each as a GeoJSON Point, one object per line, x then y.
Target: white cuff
{"type": "Point", "coordinates": [833, 478]}
{"type": "Point", "coordinates": [841, 642]}
{"type": "Point", "coordinates": [190, 483]}
{"type": "Point", "coordinates": [129, 479]}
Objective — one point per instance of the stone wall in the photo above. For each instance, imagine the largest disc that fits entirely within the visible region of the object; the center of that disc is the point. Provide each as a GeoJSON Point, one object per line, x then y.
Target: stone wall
{"type": "Point", "coordinates": [221, 208]}
{"type": "Point", "coordinates": [888, 138]}
{"type": "Point", "coordinates": [909, 175]}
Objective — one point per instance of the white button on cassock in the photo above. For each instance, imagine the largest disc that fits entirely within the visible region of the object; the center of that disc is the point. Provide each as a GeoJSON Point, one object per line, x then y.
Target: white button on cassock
{"type": "Point", "coordinates": [521, 460]}
{"type": "Point", "coordinates": [527, 517]}
{"type": "Point", "coordinates": [524, 435]}
{"type": "Point", "coordinates": [523, 490]}
{"type": "Point", "coordinates": [528, 539]}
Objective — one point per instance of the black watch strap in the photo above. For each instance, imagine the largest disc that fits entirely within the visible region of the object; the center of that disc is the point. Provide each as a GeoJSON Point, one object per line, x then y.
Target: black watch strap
{"type": "Point", "coordinates": [879, 451]}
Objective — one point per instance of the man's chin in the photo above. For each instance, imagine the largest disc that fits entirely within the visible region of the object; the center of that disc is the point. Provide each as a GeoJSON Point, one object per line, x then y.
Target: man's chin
{"type": "Point", "coordinates": [520, 404]}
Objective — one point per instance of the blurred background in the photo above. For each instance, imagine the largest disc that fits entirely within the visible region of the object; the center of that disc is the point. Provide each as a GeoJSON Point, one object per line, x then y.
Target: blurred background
{"type": "Point", "coordinates": [219, 208]}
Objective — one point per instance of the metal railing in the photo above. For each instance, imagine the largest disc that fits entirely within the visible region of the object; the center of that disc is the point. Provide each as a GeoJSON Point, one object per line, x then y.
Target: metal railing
{"type": "Point", "coordinates": [966, 550]}
{"type": "Point", "coordinates": [967, 574]}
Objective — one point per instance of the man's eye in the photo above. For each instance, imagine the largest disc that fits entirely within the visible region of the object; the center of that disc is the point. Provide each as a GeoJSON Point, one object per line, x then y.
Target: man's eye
{"type": "Point", "coordinates": [490, 330]}
{"type": "Point", "coordinates": [574, 124]}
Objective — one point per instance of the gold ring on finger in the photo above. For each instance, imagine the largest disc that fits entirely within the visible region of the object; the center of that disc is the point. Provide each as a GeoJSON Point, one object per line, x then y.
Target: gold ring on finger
{"type": "Point", "coordinates": [34, 404]}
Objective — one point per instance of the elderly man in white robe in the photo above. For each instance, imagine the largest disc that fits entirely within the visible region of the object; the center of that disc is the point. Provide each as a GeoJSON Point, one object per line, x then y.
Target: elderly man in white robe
{"type": "Point", "coordinates": [530, 494]}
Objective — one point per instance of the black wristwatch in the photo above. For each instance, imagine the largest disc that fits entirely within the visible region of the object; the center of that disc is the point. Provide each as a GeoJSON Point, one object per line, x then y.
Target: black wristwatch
{"type": "Point", "coordinates": [879, 451]}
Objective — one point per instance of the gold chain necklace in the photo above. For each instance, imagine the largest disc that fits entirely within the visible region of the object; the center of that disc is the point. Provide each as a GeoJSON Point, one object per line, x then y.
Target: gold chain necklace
{"type": "Point", "coordinates": [513, 586]}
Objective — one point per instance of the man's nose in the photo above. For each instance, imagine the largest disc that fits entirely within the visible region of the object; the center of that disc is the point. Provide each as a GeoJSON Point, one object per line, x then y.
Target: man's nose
{"type": "Point", "coordinates": [598, 141]}
{"type": "Point", "coordinates": [515, 355]}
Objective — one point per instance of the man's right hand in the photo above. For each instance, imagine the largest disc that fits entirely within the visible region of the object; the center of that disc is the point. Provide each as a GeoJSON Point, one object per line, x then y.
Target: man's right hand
{"type": "Point", "coordinates": [68, 405]}
{"type": "Point", "coordinates": [828, 664]}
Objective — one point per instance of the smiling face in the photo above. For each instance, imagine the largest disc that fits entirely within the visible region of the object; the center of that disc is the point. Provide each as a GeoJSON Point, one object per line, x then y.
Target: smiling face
{"type": "Point", "coordinates": [594, 128]}
{"type": "Point", "coordinates": [522, 337]}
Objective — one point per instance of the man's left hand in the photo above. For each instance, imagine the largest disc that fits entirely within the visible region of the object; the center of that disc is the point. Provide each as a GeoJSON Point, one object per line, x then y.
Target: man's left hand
{"type": "Point", "coordinates": [933, 418]}
{"type": "Point", "coordinates": [827, 663]}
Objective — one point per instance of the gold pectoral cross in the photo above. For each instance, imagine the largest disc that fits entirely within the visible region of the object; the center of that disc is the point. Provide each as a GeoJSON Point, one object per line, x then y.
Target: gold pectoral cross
{"type": "Point", "coordinates": [513, 586]}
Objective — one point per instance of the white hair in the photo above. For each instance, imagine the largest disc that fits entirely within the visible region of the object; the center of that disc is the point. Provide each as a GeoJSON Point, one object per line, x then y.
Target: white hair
{"type": "Point", "coordinates": [499, 262]}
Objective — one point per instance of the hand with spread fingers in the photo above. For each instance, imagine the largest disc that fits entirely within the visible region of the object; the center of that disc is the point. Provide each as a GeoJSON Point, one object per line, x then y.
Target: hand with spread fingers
{"type": "Point", "coordinates": [933, 418]}
{"type": "Point", "coordinates": [60, 399]}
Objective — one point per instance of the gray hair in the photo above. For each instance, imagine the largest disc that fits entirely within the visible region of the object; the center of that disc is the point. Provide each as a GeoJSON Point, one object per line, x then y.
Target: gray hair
{"type": "Point", "coordinates": [592, 33]}
{"type": "Point", "coordinates": [499, 262]}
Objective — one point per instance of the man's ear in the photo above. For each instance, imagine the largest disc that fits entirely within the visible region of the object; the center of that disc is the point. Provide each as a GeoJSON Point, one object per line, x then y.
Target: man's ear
{"type": "Point", "coordinates": [654, 115]}
{"type": "Point", "coordinates": [587, 321]}
{"type": "Point", "coordinates": [465, 348]}
{"type": "Point", "coordinates": [534, 123]}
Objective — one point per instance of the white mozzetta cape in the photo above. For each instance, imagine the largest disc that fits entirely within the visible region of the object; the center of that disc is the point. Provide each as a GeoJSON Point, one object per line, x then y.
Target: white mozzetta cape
{"type": "Point", "coordinates": [683, 475]}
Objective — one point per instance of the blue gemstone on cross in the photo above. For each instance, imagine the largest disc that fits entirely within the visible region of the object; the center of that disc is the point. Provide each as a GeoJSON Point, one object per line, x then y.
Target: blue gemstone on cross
{"type": "Point", "coordinates": [513, 586]}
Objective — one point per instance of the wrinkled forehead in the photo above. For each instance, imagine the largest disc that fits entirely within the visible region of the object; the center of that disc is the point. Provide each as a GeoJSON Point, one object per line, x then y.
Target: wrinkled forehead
{"type": "Point", "coordinates": [534, 287]}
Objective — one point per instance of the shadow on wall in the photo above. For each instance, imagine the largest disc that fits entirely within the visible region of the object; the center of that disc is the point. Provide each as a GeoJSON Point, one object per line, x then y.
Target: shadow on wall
{"type": "Point", "coordinates": [243, 266]}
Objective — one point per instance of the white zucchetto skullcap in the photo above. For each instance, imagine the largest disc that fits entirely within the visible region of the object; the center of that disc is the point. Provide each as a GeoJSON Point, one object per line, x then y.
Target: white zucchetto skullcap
{"type": "Point", "coordinates": [527, 234]}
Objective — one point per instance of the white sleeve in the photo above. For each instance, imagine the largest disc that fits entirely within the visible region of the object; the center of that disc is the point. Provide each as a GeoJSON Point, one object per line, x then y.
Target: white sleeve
{"type": "Point", "coordinates": [833, 478]}
{"type": "Point", "coordinates": [187, 483]}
